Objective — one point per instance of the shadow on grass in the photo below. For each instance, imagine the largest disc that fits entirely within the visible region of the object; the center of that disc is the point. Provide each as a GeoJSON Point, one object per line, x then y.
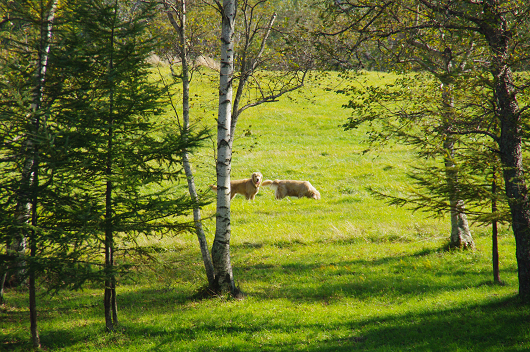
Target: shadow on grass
{"type": "Point", "coordinates": [388, 278]}
{"type": "Point", "coordinates": [498, 326]}
{"type": "Point", "coordinates": [50, 339]}
{"type": "Point", "coordinates": [488, 327]}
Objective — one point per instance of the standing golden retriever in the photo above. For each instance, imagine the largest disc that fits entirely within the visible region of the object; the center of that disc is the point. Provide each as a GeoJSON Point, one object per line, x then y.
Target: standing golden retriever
{"type": "Point", "coordinates": [248, 187]}
{"type": "Point", "coordinates": [290, 188]}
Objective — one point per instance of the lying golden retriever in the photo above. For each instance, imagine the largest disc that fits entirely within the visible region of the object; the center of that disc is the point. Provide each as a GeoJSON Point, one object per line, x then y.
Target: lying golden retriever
{"type": "Point", "coordinates": [290, 188]}
{"type": "Point", "coordinates": [248, 187]}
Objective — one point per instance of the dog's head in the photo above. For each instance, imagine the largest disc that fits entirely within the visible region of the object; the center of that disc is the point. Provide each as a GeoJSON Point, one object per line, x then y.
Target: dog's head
{"type": "Point", "coordinates": [257, 177]}
{"type": "Point", "coordinates": [314, 194]}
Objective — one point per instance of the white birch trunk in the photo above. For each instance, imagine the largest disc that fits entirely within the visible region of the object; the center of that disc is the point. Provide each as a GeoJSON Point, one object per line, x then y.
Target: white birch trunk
{"type": "Point", "coordinates": [44, 51]}
{"type": "Point", "coordinates": [23, 211]}
{"type": "Point", "coordinates": [221, 245]}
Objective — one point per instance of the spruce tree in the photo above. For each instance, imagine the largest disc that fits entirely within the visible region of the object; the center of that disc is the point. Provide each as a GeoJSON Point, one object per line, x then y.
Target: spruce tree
{"type": "Point", "coordinates": [108, 162]}
{"type": "Point", "coordinates": [125, 158]}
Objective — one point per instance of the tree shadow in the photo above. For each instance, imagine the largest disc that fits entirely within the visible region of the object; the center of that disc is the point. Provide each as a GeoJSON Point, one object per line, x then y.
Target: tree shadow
{"type": "Point", "coordinates": [494, 326]}
{"type": "Point", "coordinates": [362, 279]}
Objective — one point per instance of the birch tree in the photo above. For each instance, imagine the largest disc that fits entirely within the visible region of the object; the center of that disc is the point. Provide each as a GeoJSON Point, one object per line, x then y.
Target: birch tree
{"type": "Point", "coordinates": [404, 43]}
{"type": "Point", "coordinates": [177, 16]}
{"type": "Point", "coordinates": [46, 30]}
{"type": "Point", "coordinates": [224, 278]}
{"type": "Point", "coordinates": [254, 52]}
{"type": "Point", "coordinates": [40, 25]}
{"type": "Point", "coordinates": [256, 29]}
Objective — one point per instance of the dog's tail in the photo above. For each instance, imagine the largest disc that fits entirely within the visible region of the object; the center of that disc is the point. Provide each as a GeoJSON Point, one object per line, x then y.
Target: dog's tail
{"type": "Point", "coordinates": [214, 188]}
{"type": "Point", "coordinates": [267, 183]}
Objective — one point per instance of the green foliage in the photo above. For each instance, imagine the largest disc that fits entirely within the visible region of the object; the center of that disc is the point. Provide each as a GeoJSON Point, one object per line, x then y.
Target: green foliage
{"type": "Point", "coordinates": [102, 124]}
{"type": "Point", "coordinates": [117, 137]}
{"type": "Point", "coordinates": [202, 31]}
{"type": "Point", "coordinates": [409, 109]}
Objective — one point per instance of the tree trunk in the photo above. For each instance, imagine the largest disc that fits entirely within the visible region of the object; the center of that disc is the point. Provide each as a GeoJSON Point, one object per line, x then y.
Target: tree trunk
{"type": "Point", "coordinates": [110, 286]}
{"type": "Point", "coordinates": [516, 190]}
{"type": "Point", "coordinates": [110, 303]}
{"type": "Point", "coordinates": [460, 233]}
{"type": "Point", "coordinates": [39, 123]}
{"type": "Point", "coordinates": [3, 277]}
{"type": "Point", "coordinates": [32, 239]}
{"type": "Point", "coordinates": [203, 244]}
{"type": "Point", "coordinates": [221, 246]}
{"type": "Point", "coordinates": [35, 339]}
{"type": "Point", "coordinates": [498, 36]}
{"type": "Point", "coordinates": [494, 232]}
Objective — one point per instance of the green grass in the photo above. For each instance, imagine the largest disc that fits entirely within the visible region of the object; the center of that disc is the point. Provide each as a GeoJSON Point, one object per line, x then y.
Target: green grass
{"type": "Point", "coordinates": [340, 274]}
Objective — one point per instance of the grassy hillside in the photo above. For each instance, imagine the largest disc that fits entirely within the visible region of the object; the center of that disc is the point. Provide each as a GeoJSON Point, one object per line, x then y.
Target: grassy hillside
{"type": "Point", "coordinates": [343, 273]}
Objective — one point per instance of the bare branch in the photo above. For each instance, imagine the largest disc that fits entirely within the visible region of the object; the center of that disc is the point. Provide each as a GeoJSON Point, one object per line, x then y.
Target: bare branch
{"type": "Point", "coordinates": [274, 97]}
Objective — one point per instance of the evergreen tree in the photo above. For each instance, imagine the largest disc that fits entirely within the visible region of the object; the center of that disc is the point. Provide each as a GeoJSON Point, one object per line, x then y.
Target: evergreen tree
{"type": "Point", "coordinates": [108, 163]}
{"type": "Point", "coordinates": [24, 110]}
{"type": "Point", "coordinates": [125, 161]}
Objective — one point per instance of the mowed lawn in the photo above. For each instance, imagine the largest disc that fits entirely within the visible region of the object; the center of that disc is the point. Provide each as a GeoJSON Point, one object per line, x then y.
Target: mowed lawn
{"type": "Point", "coordinates": [344, 273]}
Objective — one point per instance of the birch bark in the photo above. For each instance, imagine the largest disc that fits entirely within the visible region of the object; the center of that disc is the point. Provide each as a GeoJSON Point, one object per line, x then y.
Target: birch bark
{"type": "Point", "coordinates": [39, 122]}
{"type": "Point", "coordinates": [221, 246]}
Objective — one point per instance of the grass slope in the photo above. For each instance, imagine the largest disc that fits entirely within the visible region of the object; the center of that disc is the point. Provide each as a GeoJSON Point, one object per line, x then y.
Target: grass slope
{"type": "Point", "coordinates": [340, 274]}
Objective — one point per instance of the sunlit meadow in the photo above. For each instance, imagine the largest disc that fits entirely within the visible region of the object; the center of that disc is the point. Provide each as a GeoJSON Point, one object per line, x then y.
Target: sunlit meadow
{"type": "Point", "coordinates": [344, 273]}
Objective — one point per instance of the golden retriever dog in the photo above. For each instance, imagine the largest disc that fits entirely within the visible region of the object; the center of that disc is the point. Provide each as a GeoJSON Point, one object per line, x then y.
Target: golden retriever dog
{"type": "Point", "coordinates": [291, 188]}
{"type": "Point", "coordinates": [248, 187]}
